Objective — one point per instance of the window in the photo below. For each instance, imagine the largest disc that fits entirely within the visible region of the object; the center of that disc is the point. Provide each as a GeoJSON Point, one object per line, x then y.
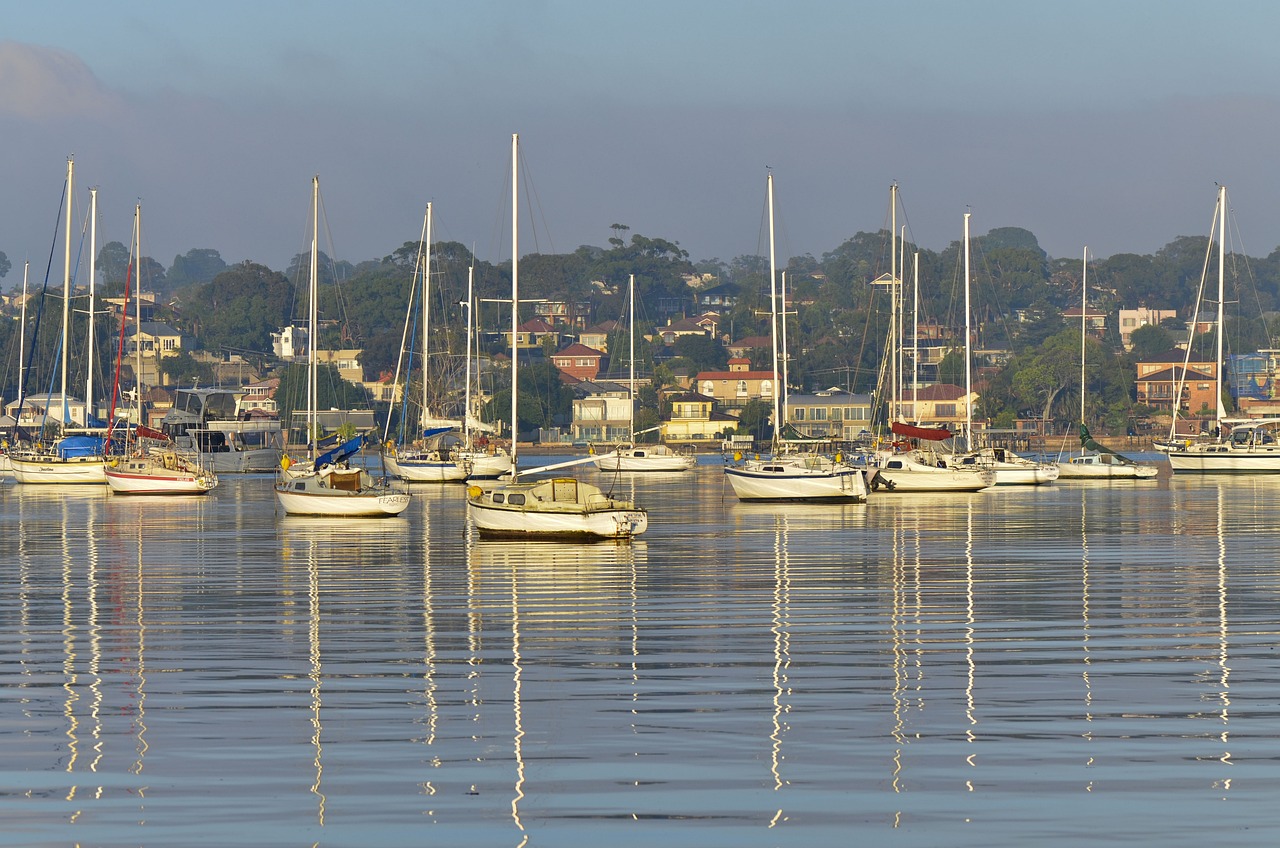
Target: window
{"type": "Point", "coordinates": [799, 411]}
{"type": "Point", "coordinates": [837, 413]}
{"type": "Point", "coordinates": [817, 414]}
{"type": "Point", "coordinates": [944, 410]}
{"type": "Point", "coordinates": [742, 387]}
{"type": "Point", "coordinates": [516, 499]}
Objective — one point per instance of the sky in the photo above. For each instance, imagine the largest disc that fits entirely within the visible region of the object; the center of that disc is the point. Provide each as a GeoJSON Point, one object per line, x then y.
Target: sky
{"type": "Point", "coordinates": [1092, 124]}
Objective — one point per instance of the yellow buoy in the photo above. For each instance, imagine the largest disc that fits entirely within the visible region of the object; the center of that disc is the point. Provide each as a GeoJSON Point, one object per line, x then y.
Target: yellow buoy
{"type": "Point", "coordinates": [474, 492]}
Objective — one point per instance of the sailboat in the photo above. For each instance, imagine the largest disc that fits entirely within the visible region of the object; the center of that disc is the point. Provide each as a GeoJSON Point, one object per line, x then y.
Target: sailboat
{"type": "Point", "coordinates": [74, 457]}
{"type": "Point", "coordinates": [151, 463]}
{"type": "Point", "coordinates": [478, 456]}
{"type": "Point", "coordinates": [631, 456]}
{"type": "Point", "coordinates": [328, 485]}
{"type": "Point", "coordinates": [559, 507]}
{"type": "Point", "coordinates": [1094, 461]}
{"type": "Point", "coordinates": [921, 468]}
{"type": "Point", "coordinates": [1010, 468]}
{"type": "Point", "coordinates": [1242, 445]}
{"type": "Point", "coordinates": [429, 457]}
{"type": "Point", "coordinates": [789, 475]}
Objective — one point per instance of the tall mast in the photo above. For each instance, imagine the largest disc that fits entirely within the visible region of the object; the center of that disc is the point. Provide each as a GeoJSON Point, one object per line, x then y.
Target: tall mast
{"type": "Point", "coordinates": [895, 341]}
{"type": "Point", "coordinates": [515, 289]}
{"type": "Point", "coordinates": [137, 314]}
{"type": "Point", "coordinates": [1222, 253]}
{"type": "Point", "coordinates": [466, 408]}
{"type": "Point", "coordinates": [66, 290]}
{"type": "Point", "coordinates": [22, 336]}
{"type": "Point", "coordinates": [773, 312]}
{"type": "Point", "coordinates": [426, 316]}
{"type": "Point", "coordinates": [968, 376]}
{"type": "Point", "coordinates": [312, 383]}
{"type": "Point", "coordinates": [1084, 307]}
{"type": "Point", "coordinates": [631, 383]}
{"type": "Point", "coordinates": [93, 255]}
{"type": "Point", "coordinates": [915, 336]}
{"type": "Point", "coordinates": [785, 388]}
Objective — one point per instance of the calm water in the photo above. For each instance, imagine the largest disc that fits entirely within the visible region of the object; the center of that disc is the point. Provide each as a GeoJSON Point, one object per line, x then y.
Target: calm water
{"type": "Point", "coordinates": [1072, 664]}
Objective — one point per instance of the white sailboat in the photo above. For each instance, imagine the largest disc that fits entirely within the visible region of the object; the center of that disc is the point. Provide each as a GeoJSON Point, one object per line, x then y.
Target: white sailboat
{"type": "Point", "coordinates": [1010, 468]}
{"type": "Point", "coordinates": [789, 475]}
{"type": "Point", "coordinates": [1099, 463]}
{"type": "Point", "coordinates": [1242, 445]}
{"type": "Point", "coordinates": [151, 464]}
{"type": "Point", "coordinates": [73, 458]}
{"type": "Point", "coordinates": [548, 509]}
{"type": "Point", "coordinates": [328, 485]}
{"type": "Point", "coordinates": [478, 456]}
{"type": "Point", "coordinates": [428, 457]}
{"type": "Point", "coordinates": [632, 456]}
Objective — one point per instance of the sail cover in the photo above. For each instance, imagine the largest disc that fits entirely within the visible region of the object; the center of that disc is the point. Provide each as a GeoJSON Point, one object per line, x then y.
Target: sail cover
{"type": "Point", "coordinates": [1087, 442]}
{"type": "Point", "coordinates": [932, 434]}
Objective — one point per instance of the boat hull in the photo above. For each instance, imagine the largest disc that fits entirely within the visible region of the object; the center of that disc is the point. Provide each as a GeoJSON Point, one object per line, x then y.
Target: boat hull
{"type": "Point", "coordinates": [79, 470]}
{"type": "Point", "coordinates": [425, 470]}
{"type": "Point", "coordinates": [1089, 468]}
{"type": "Point", "coordinates": [1223, 459]}
{"type": "Point", "coordinates": [339, 492]}
{"type": "Point", "coordinates": [563, 508]}
{"type": "Point", "coordinates": [780, 481]}
{"type": "Point", "coordinates": [903, 475]}
{"type": "Point", "coordinates": [484, 465]}
{"type": "Point", "coordinates": [639, 459]}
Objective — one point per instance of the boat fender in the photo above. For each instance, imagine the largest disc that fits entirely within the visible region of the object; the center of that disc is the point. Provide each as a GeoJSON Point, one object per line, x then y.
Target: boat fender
{"type": "Point", "coordinates": [737, 456]}
{"type": "Point", "coordinates": [839, 457]}
{"type": "Point", "coordinates": [285, 462]}
{"type": "Point", "coordinates": [591, 450]}
{"type": "Point", "coordinates": [474, 492]}
{"type": "Point", "coordinates": [113, 462]}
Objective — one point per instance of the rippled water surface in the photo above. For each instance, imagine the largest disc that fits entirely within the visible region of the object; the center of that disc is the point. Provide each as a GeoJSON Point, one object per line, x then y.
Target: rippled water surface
{"type": "Point", "coordinates": [1066, 665]}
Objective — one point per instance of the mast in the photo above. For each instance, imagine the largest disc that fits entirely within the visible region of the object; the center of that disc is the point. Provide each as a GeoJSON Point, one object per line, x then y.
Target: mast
{"type": "Point", "coordinates": [466, 409]}
{"type": "Point", "coordinates": [968, 376]}
{"type": "Point", "coordinates": [900, 305]}
{"type": "Point", "coordinates": [1084, 307]}
{"type": "Point", "coordinates": [426, 316]}
{"type": "Point", "coordinates": [1222, 253]}
{"type": "Point", "coordinates": [137, 324]}
{"type": "Point", "coordinates": [22, 337]}
{"type": "Point", "coordinates": [773, 316]}
{"type": "Point", "coordinates": [312, 386]}
{"type": "Point", "coordinates": [785, 388]}
{"type": "Point", "coordinates": [915, 337]}
{"type": "Point", "coordinates": [93, 255]}
{"type": "Point", "coordinates": [515, 290]}
{"type": "Point", "coordinates": [66, 291]}
{"type": "Point", "coordinates": [631, 382]}
{"type": "Point", "coordinates": [895, 343]}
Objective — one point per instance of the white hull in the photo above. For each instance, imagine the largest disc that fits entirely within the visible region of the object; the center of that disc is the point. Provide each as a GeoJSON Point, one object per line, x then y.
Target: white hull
{"type": "Point", "coordinates": [142, 476]}
{"type": "Point", "coordinates": [1097, 467]}
{"type": "Point", "coordinates": [560, 508]}
{"type": "Point", "coordinates": [790, 480]}
{"type": "Point", "coordinates": [310, 494]}
{"type": "Point", "coordinates": [1225, 459]}
{"type": "Point", "coordinates": [485, 466]}
{"type": "Point", "coordinates": [51, 470]}
{"type": "Point", "coordinates": [425, 470]}
{"type": "Point", "coordinates": [6, 467]}
{"type": "Point", "coordinates": [905, 474]}
{"type": "Point", "coordinates": [657, 458]}
{"type": "Point", "coordinates": [1011, 469]}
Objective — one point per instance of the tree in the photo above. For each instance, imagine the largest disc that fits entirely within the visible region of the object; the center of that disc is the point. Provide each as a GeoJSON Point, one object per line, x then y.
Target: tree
{"type": "Point", "coordinates": [240, 308]}
{"type": "Point", "coordinates": [1150, 340]}
{"type": "Point", "coordinates": [198, 265]}
{"type": "Point", "coordinates": [754, 419]}
{"type": "Point", "coordinates": [703, 352]}
{"type": "Point", "coordinates": [183, 368]}
{"type": "Point", "coordinates": [4, 264]}
{"type": "Point", "coordinates": [951, 368]}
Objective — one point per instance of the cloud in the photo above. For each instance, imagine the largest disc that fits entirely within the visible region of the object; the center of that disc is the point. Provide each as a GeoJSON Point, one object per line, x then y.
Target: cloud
{"type": "Point", "coordinates": [41, 83]}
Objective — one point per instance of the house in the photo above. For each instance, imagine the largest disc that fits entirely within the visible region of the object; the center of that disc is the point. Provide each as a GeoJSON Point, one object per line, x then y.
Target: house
{"type": "Point", "coordinates": [1132, 319]}
{"type": "Point", "coordinates": [290, 344]}
{"type": "Point", "coordinates": [574, 313]}
{"type": "Point", "coordinates": [597, 336]}
{"type": "Point", "coordinates": [830, 414]}
{"type": "Point", "coordinates": [1095, 320]}
{"type": "Point", "coordinates": [155, 340]}
{"type": "Point", "coordinates": [578, 361]}
{"type": "Point", "coordinates": [530, 334]}
{"type": "Point", "coordinates": [940, 405]}
{"type": "Point", "coordinates": [701, 326]}
{"type": "Point", "coordinates": [723, 295]}
{"type": "Point", "coordinates": [734, 388]}
{"type": "Point", "coordinates": [601, 412]}
{"type": "Point", "coordinates": [40, 409]}
{"type": "Point", "coordinates": [695, 420]}
{"type": "Point", "coordinates": [346, 360]}
{"type": "Point", "coordinates": [1177, 357]}
{"type": "Point", "coordinates": [1158, 389]}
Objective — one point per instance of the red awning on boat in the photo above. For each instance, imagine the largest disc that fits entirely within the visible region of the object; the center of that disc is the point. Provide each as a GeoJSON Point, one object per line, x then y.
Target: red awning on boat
{"type": "Point", "coordinates": [932, 434]}
{"type": "Point", "coordinates": [147, 433]}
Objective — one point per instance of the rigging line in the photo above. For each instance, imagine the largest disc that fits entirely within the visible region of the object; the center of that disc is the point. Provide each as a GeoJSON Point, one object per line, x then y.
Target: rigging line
{"type": "Point", "coordinates": [26, 380]}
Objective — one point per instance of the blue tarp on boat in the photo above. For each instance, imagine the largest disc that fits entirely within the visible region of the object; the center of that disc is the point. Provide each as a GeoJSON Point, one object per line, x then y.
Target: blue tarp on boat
{"type": "Point", "coordinates": [341, 452]}
{"type": "Point", "coordinates": [73, 446]}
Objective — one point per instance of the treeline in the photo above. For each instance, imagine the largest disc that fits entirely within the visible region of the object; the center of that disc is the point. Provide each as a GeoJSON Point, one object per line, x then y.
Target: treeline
{"type": "Point", "coordinates": [837, 322]}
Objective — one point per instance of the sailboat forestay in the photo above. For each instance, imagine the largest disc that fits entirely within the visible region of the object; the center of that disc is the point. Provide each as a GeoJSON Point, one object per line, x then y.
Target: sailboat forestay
{"type": "Point", "coordinates": [563, 507]}
{"type": "Point", "coordinates": [789, 475]}
{"type": "Point", "coordinates": [328, 484]}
